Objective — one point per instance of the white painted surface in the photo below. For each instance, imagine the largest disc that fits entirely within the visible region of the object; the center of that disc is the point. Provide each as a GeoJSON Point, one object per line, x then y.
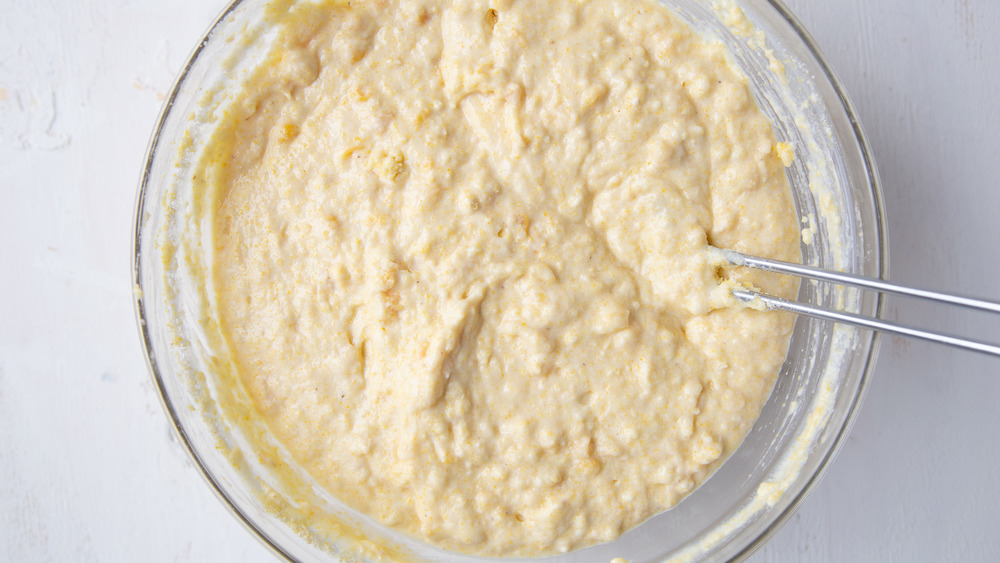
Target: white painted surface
{"type": "Point", "coordinates": [89, 470]}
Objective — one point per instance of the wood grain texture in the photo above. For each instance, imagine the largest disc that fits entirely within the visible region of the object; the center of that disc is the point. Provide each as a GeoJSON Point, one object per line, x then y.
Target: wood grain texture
{"type": "Point", "coordinates": [89, 470]}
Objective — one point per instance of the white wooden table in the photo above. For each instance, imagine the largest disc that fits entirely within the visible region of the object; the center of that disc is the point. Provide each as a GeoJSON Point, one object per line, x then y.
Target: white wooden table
{"type": "Point", "coordinates": [89, 468]}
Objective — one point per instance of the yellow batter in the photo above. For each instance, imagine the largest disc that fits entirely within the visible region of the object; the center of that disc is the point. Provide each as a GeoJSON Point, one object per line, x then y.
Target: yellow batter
{"type": "Point", "coordinates": [463, 264]}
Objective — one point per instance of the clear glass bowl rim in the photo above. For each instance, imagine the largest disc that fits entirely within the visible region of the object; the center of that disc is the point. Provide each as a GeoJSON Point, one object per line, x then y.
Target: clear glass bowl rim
{"type": "Point", "coordinates": [880, 245]}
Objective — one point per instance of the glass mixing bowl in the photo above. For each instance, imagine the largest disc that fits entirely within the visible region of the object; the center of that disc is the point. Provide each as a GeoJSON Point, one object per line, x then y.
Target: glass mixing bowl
{"type": "Point", "coordinates": [809, 413]}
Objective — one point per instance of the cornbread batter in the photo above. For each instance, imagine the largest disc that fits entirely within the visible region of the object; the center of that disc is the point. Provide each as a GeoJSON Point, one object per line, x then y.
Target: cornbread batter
{"type": "Point", "coordinates": [463, 265]}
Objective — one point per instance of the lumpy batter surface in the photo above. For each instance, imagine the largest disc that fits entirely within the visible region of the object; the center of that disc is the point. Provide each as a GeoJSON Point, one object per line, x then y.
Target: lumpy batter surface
{"type": "Point", "coordinates": [463, 265]}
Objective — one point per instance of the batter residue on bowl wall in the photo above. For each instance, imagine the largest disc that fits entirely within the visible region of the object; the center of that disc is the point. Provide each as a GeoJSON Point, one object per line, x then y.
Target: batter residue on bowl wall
{"type": "Point", "coordinates": [462, 261]}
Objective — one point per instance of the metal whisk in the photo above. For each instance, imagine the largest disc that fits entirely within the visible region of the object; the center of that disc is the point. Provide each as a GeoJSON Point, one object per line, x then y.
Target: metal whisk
{"type": "Point", "coordinates": [771, 302]}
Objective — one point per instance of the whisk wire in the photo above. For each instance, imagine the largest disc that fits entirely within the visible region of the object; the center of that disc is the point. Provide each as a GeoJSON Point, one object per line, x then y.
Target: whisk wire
{"type": "Point", "coordinates": [771, 302]}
